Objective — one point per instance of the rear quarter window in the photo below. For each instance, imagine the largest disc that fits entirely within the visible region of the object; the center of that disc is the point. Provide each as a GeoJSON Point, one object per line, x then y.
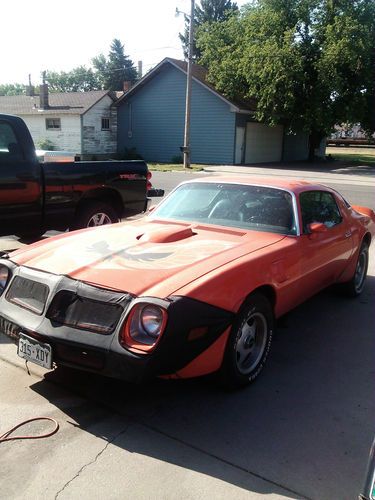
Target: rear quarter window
{"type": "Point", "coordinates": [319, 206]}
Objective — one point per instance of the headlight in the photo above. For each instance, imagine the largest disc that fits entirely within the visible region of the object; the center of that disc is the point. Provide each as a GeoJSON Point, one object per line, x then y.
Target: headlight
{"type": "Point", "coordinates": [4, 277]}
{"type": "Point", "coordinates": [144, 327]}
{"type": "Point", "coordinates": [152, 319]}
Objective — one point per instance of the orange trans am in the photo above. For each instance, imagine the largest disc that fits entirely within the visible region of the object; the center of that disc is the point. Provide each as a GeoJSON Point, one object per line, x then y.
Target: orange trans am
{"type": "Point", "coordinates": [192, 288]}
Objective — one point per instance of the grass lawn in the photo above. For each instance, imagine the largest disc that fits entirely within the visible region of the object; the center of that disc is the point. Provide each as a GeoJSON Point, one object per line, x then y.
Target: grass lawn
{"type": "Point", "coordinates": [354, 155]}
{"type": "Point", "coordinates": [168, 167]}
{"type": "Point", "coordinates": [363, 156]}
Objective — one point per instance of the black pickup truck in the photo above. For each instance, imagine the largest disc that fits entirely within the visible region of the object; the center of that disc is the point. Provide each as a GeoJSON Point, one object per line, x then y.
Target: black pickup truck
{"type": "Point", "coordinates": [35, 197]}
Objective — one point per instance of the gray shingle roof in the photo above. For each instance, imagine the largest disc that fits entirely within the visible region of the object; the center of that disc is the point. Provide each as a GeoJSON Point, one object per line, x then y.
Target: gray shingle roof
{"type": "Point", "coordinates": [71, 103]}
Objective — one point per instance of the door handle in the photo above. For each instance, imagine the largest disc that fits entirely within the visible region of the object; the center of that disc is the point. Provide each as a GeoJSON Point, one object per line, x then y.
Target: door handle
{"type": "Point", "coordinates": [348, 234]}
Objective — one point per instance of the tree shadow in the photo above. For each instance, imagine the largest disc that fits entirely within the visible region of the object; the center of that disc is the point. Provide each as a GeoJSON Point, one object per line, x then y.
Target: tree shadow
{"type": "Point", "coordinates": [304, 425]}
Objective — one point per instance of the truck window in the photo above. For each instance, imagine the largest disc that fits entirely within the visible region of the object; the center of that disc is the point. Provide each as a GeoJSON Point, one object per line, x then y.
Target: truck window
{"type": "Point", "coordinates": [10, 148]}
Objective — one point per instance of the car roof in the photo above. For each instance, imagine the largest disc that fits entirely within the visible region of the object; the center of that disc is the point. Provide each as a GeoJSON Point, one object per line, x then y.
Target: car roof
{"type": "Point", "coordinates": [293, 185]}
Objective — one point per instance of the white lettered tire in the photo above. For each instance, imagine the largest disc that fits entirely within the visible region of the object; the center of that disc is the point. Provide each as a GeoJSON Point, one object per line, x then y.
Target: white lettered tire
{"type": "Point", "coordinates": [249, 342]}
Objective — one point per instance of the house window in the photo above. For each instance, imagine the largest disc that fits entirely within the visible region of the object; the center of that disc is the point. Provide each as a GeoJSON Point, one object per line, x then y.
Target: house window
{"type": "Point", "coordinates": [105, 123]}
{"type": "Point", "coordinates": [53, 124]}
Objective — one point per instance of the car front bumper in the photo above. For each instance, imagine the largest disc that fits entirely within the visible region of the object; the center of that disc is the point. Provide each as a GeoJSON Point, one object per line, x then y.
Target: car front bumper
{"type": "Point", "coordinates": [192, 327]}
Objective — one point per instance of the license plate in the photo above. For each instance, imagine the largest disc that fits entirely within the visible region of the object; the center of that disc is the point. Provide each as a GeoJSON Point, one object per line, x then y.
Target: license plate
{"type": "Point", "coordinates": [35, 351]}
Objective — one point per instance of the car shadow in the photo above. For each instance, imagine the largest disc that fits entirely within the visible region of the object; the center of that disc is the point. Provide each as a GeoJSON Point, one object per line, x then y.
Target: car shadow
{"type": "Point", "coordinates": [304, 425]}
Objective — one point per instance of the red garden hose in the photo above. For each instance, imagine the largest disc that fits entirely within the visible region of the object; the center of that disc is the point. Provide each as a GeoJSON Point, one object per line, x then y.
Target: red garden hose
{"type": "Point", "coordinates": [5, 436]}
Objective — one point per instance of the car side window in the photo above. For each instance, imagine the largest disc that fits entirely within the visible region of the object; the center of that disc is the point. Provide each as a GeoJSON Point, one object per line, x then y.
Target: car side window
{"type": "Point", "coordinates": [10, 149]}
{"type": "Point", "coordinates": [319, 206]}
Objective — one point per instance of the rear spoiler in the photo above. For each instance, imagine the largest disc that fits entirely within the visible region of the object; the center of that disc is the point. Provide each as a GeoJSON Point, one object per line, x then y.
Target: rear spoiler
{"type": "Point", "coordinates": [365, 211]}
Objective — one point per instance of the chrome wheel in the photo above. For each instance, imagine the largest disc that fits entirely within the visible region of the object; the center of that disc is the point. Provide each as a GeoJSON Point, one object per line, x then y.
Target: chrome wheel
{"type": "Point", "coordinates": [356, 284]}
{"type": "Point", "coordinates": [361, 269]}
{"type": "Point", "coordinates": [251, 342]}
{"type": "Point", "coordinates": [99, 220]}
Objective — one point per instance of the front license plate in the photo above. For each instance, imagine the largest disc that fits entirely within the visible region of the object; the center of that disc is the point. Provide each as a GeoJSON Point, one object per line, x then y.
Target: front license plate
{"type": "Point", "coordinates": [35, 351]}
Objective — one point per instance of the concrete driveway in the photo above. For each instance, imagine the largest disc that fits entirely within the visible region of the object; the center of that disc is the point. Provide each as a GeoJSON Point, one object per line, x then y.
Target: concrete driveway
{"type": "Point", "coordinates": [303, 430]}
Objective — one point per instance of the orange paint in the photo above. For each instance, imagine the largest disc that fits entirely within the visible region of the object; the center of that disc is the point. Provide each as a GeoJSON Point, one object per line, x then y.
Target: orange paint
{"type": "Point", "coordinates": [209, 361]}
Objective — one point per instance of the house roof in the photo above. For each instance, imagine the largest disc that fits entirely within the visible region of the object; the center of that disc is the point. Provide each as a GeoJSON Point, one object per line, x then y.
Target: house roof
{"type": "Point", "coordinates": [199, 74]}
{"type": "Point", "coordinates": [67, 103]}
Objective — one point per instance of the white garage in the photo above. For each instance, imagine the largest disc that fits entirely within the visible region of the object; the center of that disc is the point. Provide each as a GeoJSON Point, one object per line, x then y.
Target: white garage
{"type": "Point", "coordinates": [263, 143]}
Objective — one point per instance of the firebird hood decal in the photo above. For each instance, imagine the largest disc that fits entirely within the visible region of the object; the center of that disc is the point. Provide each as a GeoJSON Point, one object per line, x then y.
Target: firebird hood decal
{"type": "Point", "coordinates": [120, 257]}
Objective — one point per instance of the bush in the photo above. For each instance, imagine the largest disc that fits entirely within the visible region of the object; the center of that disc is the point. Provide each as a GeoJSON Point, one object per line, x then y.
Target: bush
{"type": "Point", "coordinates": [45, 144]}
{"type": "Point", "coordinates": [177, 159]}
{"type": "Point", "coordinates": [129, 154]}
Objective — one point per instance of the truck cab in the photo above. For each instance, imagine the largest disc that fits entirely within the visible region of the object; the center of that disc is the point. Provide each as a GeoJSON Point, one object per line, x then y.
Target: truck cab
{"type": "Point", "coordinates": [36, 197]}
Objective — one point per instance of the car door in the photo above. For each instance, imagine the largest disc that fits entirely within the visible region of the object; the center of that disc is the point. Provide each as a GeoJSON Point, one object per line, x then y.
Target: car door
{"type": "Point", "coordinates": [324, 253]}
{"type": "Point", "coordinates": [20, 190]}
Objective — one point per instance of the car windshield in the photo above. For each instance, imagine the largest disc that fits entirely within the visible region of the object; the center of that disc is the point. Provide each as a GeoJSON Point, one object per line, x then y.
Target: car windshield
{"type": "Point", "coordinates": [235, 205]}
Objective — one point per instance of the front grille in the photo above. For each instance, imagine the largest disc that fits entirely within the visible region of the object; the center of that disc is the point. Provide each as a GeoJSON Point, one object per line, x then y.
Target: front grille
{"type": "Point", "coordinates": [28, 294]}
{"type": "Point", "coordinates": [9, 329]}
{"type": "Point", "coordinates": [83, 313]}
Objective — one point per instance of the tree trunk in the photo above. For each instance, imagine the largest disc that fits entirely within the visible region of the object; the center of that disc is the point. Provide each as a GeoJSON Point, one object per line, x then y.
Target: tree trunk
{"type": "Point", "coordinates": [314, 142]}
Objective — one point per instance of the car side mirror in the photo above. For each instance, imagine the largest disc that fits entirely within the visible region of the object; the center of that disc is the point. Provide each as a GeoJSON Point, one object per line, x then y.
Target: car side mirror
{"type": "Point", "coordinates": [316, 227]}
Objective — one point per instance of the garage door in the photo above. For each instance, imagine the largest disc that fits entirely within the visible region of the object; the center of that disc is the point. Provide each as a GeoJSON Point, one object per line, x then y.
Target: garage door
{"type": "Point", "coordinates": [263, 143]}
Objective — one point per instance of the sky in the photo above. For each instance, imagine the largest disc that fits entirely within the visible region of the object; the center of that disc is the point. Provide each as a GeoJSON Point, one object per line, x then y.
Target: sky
{"type": "Point", "coordinates": [42, 35]}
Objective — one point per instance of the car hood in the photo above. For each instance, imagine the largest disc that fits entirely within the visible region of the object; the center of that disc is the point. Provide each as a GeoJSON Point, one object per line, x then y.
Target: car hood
{"type": "Point", "coordinates": [144, 257]}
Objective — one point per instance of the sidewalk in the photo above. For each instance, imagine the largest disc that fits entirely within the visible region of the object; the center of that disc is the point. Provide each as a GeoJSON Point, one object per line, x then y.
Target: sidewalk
{"type": "Point", "coordinates": [333, 172]}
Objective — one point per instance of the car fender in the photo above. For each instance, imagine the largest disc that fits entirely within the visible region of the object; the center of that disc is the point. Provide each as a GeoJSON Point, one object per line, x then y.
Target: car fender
{"type": "Point", "coordinates": [229, 286]}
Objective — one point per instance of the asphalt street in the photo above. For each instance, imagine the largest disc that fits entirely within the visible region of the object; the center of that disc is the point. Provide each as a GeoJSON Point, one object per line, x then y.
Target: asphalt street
{"type": "Point", "coordinates": [302, 430]}
{"type": "Point", "coordinates": [358, 189]}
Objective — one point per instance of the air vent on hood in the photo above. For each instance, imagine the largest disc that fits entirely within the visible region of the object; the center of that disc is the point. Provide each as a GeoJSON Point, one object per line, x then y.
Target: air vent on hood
{"type": "Point", "coordinates": [167, 235]}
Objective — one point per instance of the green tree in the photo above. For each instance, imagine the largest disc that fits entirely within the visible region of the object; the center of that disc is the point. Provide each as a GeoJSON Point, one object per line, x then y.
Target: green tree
{"type": "Point", "coordinates": [12, 89]}
{"type": "Point", "coordinates": [117, 68]}
{"type": "Point", "coordinates": [209, 11]}
{"type": "Point", "coordinates": [308, 63]}
{"type": "Point", "coordinates": [80, 79]}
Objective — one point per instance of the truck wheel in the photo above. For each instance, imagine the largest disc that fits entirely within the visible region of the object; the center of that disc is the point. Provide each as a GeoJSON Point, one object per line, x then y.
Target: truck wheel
{"type": "Point", "coordinates": [95, 214]}
{"type": "Point", "coordinates": [249, 342]}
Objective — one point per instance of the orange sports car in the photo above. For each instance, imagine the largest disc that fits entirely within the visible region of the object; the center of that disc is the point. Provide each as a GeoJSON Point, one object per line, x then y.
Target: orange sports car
{"type": "Point", "coordinates": [192, 288]}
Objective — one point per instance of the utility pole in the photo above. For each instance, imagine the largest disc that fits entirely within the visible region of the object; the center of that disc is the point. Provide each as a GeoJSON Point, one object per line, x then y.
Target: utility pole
{"type": "Point", "coordinates": [186, 148]}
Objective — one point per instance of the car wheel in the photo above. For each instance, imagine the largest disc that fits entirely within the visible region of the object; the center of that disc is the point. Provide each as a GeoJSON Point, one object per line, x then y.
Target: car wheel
{"type": "Point", "coordinates": [249, 342]}
{"type": "Point", "coordinates": [355, 286]}
{"type": "Point", "coordinates": [95, 214]}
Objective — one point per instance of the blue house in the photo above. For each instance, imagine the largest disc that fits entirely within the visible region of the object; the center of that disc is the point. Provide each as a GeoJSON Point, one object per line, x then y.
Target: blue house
{"type": "Point", "coordinates": [150, 118]}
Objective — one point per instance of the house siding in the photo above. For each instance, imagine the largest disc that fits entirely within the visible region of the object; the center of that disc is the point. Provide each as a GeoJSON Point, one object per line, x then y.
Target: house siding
{"type": "Point", "coordinates": [95, 140]}
{"type": "Point", "coordinates": [152, 121]}
{"type": "Point", "coordinates": [68, 138]}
